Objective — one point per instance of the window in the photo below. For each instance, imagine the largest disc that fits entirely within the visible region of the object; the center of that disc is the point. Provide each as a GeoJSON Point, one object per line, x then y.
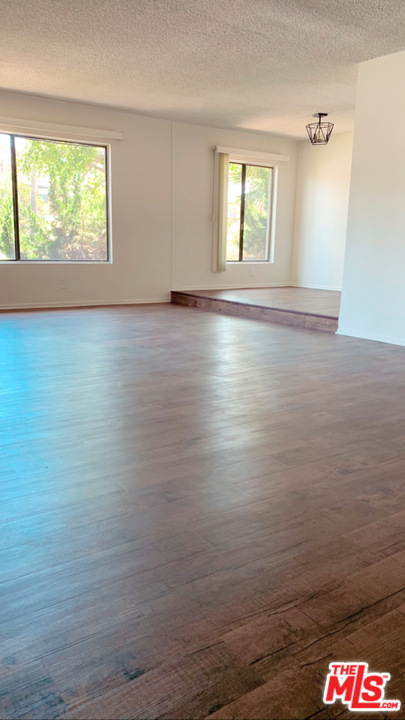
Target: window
{"type": "Point", "coordinates": [244, 206]}
{"type": "Point", "coordinates": [249, 212]}
{"type": "Point", "coordinates": [53, 200]}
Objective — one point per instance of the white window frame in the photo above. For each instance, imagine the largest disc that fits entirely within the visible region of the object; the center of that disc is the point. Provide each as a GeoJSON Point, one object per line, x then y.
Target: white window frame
{"type": "Point", "coordinates": [39, 130]}
{"type": "Point", "coordinates": [247, 157]}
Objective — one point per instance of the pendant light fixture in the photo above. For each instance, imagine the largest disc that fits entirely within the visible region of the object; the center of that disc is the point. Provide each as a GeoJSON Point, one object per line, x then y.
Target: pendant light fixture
{"type": "Point", "coordinates": [319, 132]}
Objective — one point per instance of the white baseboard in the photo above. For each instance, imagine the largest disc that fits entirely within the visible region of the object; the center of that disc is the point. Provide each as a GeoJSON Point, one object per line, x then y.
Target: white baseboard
{"type": "Point", "coordinates": [244, 286]}
{"type": "Point", "coordinates": [80, 303]}
{"type": "Point", "coordinates": [317, 287]}
{"type": "Point", "coordinates": [374, 338]}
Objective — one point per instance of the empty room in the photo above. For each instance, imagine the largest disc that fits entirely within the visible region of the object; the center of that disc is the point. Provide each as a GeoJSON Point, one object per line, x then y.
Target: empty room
{"type": "Point", "coordinates": [202, 360]}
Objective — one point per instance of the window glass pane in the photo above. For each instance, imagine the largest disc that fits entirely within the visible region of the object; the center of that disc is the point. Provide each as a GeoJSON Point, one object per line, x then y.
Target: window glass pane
{"type": "Point", "coordinates": [7, 246]}
{"type": "Point", "coordinates": [256, 213]}
{"type": "Point", "coordinates": [61, 200]}
{"type": "Point", "coordinates": [234, 199]}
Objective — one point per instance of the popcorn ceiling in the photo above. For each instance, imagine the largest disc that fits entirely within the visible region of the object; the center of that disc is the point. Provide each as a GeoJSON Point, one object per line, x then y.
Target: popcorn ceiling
{"type": "Point", "coordinates": [257, 64]}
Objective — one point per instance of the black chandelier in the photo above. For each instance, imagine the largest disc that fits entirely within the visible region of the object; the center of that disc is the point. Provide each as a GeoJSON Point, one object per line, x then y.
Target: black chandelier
{"type": "Point", "coordinates": [319, 132]}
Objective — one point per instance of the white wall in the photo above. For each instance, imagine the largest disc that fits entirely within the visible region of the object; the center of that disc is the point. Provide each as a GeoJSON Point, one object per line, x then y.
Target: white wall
{"type": "Point", "coordinates": [373, 297]}
{"type": "Point", "coordinates": [323, 182]}
{"type": "Point", "coordinates": [141, 212]}
{"type": "Point", "coordinates": [193, 160]}
{"type": "Point", "coordinates": [161, 211]}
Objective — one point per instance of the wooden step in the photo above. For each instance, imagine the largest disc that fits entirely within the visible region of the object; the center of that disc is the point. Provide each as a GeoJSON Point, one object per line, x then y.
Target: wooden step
{"type": "Point", "coordinates": [297, 318]}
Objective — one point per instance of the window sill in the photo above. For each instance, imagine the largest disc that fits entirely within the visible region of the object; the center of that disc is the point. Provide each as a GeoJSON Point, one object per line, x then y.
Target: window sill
{"type": "Point", "coordinates": [249, 262]}
{"type": "Point", "coordinates": [55, 262]}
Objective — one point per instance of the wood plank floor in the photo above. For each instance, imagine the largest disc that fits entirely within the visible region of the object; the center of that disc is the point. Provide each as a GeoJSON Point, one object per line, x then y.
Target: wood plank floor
{"type": "Point", "coordinates": [198, 514]}
{"type": "Point", "coordinates": [299, 307]}
{"type": "Point", "coordinates": [304, 300]}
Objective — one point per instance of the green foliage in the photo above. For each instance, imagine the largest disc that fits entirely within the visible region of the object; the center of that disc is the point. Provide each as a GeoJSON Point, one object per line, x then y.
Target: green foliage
{"type": "Point", "coordinates": [71, 222]}
{"type": "Point", "coordinates": [6, 225]}
{"type": "Point", "coordinates": [256, 212]}
{"type": "Point", "coordinates": [62, 202]}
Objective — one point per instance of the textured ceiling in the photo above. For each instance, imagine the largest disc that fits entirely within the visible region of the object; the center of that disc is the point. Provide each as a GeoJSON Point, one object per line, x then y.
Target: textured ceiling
{"type": "Point", "coordinates": [258, 64]}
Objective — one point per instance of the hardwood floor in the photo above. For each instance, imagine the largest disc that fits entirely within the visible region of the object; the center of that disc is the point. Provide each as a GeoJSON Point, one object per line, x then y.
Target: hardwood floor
{"type": "Point", "coordinates": [298, 307]}
{"type": "Point", "coordinates": [198, 514]}
{"type": "Point", "coordinates": [304, 300]}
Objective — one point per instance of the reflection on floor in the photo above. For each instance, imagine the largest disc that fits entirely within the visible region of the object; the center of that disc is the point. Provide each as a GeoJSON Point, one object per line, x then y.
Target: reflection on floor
{"type": "Point", "coordinates": [198, 515]}
{"type": "Point", "coordinates": [303, 307]}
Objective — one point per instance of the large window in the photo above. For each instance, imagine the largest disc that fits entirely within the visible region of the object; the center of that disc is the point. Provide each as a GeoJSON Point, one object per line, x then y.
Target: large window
{"type": "Point", "coordinates": [53, 200]}
{"type": "Point", "coordinates": [249, 213]}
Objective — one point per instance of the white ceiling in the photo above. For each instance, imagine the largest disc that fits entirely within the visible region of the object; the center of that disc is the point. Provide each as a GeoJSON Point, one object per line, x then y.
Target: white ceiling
{"type": "Point", "coordinates": [259, 64]}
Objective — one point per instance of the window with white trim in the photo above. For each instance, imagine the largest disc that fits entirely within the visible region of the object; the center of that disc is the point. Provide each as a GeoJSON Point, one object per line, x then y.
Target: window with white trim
{"type": "Point", "coordinates": [244, 206]}
{"type": "Point", "coordinates": [53, 200]}
{"type": "Point", "coordinates": [250, 193]}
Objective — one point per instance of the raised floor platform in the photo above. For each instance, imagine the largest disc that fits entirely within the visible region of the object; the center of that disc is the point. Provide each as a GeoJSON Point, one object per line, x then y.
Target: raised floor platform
{"type": "Point", "coordinates": [301, 307]}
